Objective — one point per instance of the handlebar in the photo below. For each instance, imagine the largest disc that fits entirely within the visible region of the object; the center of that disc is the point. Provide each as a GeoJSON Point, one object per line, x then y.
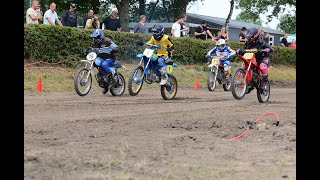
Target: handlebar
{"type": "Point", "coordinates": [154, 46]}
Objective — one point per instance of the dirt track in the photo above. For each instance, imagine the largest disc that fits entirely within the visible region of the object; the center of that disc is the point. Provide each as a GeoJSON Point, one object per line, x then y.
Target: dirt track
{"type": "Point", "coordinates": [145, 137]}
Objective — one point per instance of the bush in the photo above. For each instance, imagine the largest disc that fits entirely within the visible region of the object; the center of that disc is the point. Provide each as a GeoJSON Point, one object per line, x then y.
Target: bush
{"type": "Point", "coordinates": [66, 44]}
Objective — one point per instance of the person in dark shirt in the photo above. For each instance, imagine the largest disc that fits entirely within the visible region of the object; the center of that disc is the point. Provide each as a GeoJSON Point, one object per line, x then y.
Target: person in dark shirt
{"type": "Point", "coordinates": [89, 16]}
{"type": "Point", "coordinates": [202, 30]}
{"type": "Point", "coordinates": [69, 17]}
{"type": "Point", "coordinates": [284, 41]}
{"type": "Point", "coordinates": [112, 23]}
{"type": "Point", "coordinates": [242, 35]}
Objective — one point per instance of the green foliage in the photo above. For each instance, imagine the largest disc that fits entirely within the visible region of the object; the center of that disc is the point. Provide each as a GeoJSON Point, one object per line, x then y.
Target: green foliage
{"type": "Point", "coordinates": [288, 23]}
{"type": "Point", "coordinates": [66, 44]}
{"type": "Point", "coordinates": [249, 17]}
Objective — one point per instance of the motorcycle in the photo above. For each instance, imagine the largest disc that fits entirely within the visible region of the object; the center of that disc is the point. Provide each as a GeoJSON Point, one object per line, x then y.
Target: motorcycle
{"type": "Point", "coordinates": [249, 77]}
{"type": "Point", "coordinates": [217, 74]}
{"type": "Point", "coordinates": [146, 71]}
{"type": "Point", "coordinates": [83, 77]}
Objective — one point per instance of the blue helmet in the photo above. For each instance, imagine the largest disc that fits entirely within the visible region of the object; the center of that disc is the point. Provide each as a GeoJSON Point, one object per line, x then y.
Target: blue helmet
{"type": "Point", "coordinates": [97, 35]}
{"type": "Point", "coordinates": [157, 31]}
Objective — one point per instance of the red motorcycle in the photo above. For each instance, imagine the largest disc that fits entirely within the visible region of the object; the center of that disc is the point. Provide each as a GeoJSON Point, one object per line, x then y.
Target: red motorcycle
{"type": "Point", "coordinates": [248, 77]}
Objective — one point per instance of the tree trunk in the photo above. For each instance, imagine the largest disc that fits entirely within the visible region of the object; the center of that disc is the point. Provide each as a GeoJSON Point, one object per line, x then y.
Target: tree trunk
{"type": "Point", "coordinates": [229, 16]}
{"type": "Point", "coordinates": [123, 10]}
{"type": "Point", "coordinates": [180, 8]}
{"type": "Point", "coordinates": [166, 10]}
{"type": "Point", "coordinates": [142, 7]}
{"type": "Point", "coordinates": [153, 8]}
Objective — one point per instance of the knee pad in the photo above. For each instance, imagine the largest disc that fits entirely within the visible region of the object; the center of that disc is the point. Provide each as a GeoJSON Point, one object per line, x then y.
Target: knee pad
{"type": "Point", "coordinates": [264, 68]}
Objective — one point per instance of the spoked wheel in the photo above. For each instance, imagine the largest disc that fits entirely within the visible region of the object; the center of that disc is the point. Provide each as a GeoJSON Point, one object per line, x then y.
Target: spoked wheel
{"type": "Point", "coordinates": [238, 87]}
{"type": "Point", "coordinates": [135, 80]}
{"type": "Point", "coordinates": [211, 82]}
{"type": "Point", "coordinates": [119, 86]}
{"type": "Point", "coordinates": [264, 94]}
{"type": "Point", "coordinates": [169, 90]}
{"type": "Point", "coordinates": [227, 86]}
{"type": "Point", "coordinates": [82, 81]}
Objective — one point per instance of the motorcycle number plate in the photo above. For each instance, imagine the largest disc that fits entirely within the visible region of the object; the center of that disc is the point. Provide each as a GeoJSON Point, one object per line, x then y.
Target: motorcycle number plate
{"type": "Point", "coordinates": [215, 61]}
{"type": "Point", "coordinates": [169, 69]}
{"type": "Point", "coordinates": [248, 55]}
{"type": "Point", "coordinates": [148, 52]}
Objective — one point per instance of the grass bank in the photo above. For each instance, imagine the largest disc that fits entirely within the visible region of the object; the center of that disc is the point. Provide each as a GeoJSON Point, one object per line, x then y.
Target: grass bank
{"type": "Point", "coordinates": [61, 78]}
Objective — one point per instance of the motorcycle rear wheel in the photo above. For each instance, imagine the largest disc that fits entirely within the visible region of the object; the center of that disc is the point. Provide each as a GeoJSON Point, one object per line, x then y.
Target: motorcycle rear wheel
{"type": "Point", "coordinates": [263, 94]}
{"type": "Point", "coordinates": [120, 85]}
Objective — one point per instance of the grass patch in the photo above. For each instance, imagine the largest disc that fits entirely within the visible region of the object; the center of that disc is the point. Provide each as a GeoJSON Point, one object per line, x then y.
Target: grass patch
{"type": "Point", "coordinates": [61, 78]}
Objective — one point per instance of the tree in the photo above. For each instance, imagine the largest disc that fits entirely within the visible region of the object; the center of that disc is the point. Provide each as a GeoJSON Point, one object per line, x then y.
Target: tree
{"type": "Point", "coordinates": [261, 6]}
{"type": "Point", "coordinates": [288, 23]}
{"type": "Point", "coordinates": [142, 7]}
{"type": "Point", "coordinates": [226, 24]}
{"type": "Point", "coordinates": [249, 17]}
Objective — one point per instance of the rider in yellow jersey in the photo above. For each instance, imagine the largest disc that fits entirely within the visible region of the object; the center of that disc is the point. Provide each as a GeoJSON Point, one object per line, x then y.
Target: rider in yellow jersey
{"type": "Point", "coordinates": [160, 39]}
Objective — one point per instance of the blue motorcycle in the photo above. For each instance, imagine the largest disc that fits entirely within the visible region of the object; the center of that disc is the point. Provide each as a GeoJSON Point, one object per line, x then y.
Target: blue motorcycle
{"type": "Point", "coordinates": [147, 71]}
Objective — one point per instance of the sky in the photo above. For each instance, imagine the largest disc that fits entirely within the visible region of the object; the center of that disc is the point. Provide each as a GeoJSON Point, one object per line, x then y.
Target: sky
{"type": "Point", "coordinates": [207, 7]}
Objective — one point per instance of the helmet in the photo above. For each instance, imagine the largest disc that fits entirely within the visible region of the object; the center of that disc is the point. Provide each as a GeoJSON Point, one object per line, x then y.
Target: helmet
{"type": "Point", "coordinates": [157, 31]}
{"type": "Point", "coordinates": [221, 43]}
{"type": "Point", "coordinates": [97, 36]}
{"type": "Point", "coordinates": [253, 35]}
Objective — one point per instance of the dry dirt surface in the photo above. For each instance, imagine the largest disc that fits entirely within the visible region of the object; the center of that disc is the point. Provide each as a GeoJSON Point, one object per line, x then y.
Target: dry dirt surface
{"type": "Point", "coordinates": [145, 137]}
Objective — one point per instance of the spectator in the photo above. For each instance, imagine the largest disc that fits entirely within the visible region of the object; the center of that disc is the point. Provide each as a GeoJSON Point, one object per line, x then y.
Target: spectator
{"type": "Point", "coordinates": [93, 23]}
{"type": "Point", "coordinates": [184, 27]}
{"type": "Point", "coordinates": [89, 16]}
{"type": "Point", "coordinates": [69, 17]}
{"type": "Point", "coordinates": [218, 35]}
{"type": "Point", "coordinates": [141, 26]}
{"type": "Point", "coordinates": [33, 14]}
{"type": "Point", "coordinates": [50, 16]}
{"type": "Point", "coordinates": [112, 23]}
{"type": "Point", "coordinates": [284, 41]}
{"type": "Point", "coordinates": [266, 38]}
{"type": "Point", "coordinates": [176, 28]}
{"type": "Point", "coordinates": [224, 34]}
{"type": "Point", "coordinates": [293, 44]}
{"type": "Point", "coordinates": [202, 31]}
{"type": "Point", "coordinates": [242, 35]}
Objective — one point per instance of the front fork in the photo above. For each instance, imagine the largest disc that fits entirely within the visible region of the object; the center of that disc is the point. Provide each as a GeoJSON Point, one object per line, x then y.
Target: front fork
{"type": "Point", "coordinates": [216, 71]}
{"type": "Point", "coordinates": [248, 74]}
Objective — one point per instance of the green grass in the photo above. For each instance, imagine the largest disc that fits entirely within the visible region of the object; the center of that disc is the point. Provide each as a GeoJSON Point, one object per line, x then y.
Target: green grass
{"type": "Point", "coordinates": [61, 79]}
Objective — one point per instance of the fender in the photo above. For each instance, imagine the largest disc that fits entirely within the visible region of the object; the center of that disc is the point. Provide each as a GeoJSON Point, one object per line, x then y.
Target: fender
{"type": "Point", "coordinates": [140, 55]}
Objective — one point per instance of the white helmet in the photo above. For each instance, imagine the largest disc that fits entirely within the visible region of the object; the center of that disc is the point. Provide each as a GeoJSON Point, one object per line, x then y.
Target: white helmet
{"type": "Point", "coordinates": [221, 43]}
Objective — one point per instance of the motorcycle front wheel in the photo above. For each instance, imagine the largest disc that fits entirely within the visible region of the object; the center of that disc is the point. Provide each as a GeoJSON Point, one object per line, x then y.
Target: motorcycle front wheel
{"type": "Point", "coordinates": [264, 94]}
{"type": "Point", "coordinates": [119, 86]}
{"type": "Point", "coordinates": [169, 90]}
{"type": "Point", "coordinates": [238, 87]}
{"type": "Point", "coordinates": [135, 80]}
{"type": "Point", "coordinates": [82, 81]}
{"type": "Point", "coordinates": [211, 82]}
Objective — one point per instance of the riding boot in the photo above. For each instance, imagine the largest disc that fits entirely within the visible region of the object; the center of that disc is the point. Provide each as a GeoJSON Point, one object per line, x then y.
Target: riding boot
{"type": "Point", "coordinates": [164, 76]}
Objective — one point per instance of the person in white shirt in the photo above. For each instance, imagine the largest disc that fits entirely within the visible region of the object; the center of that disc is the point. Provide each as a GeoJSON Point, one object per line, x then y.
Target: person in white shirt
{"type": "Point", "coordinates": [176, 28]}
{"type": "Point", "coordinates": [33, 14]}
{"type": "Point", "coordinates": [50, 16]}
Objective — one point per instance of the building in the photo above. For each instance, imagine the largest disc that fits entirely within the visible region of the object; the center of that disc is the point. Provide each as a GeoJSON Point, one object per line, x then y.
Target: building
{"type": "Point", "coordinates": [215, 24]}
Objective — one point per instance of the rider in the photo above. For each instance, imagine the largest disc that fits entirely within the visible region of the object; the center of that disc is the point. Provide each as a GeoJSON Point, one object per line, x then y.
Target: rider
{"type": "Point", "coordinates": [255, 41]}
{"type": "Point", "coordinates": [107, 53]}
{"type": "Point", "coordinates": [224, 52]}
{"type": "Point", "coordinates": [160, 39]}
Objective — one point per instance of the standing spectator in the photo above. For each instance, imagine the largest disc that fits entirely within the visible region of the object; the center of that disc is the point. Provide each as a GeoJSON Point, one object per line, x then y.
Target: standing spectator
{"type": "Point", "coordinates": [284, 41]}
{"type": "Point", "coordinates": [50, 16]}
{"type": "Point", "coordinates": [33, 14]}
{"type": "Point", "coordinates": [224, 34]}
{"type": "Point", "coordinates": [218, 36]}
{"type": "Point", "coordinates": [89, 16]}
{"type": "Point", "coordinates": [242, 35]}
{"type": "Point", "coordinates": [112, 23]}
{"type": "Point", "coordinates": [266, 38]}
{"type": "Point", "coordinates": [293, 44]}
{"type": "Point", "coordinates": [202, 31]}
{"type": "Point", "coordinates": [69, 17]}
{"type": "Point", "coordinates": [176, 28]}
{"type": "Point", "coordinates": [93, 23]}
{"type": "Point", "coordinates": [184, 27]}
{"type": "Point", "coordinates": [141, 26]}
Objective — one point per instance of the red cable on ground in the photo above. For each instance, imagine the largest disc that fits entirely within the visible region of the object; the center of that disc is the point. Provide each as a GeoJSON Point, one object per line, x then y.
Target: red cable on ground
{"type": "Point", "coordinates": [245, 132]}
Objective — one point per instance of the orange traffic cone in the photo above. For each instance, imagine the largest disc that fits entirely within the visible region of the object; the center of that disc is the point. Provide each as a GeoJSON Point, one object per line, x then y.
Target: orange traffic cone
{"type": "Point", "coordinates": [196, 85]}
{"type": "Point", "coordinates": [39, 85]}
